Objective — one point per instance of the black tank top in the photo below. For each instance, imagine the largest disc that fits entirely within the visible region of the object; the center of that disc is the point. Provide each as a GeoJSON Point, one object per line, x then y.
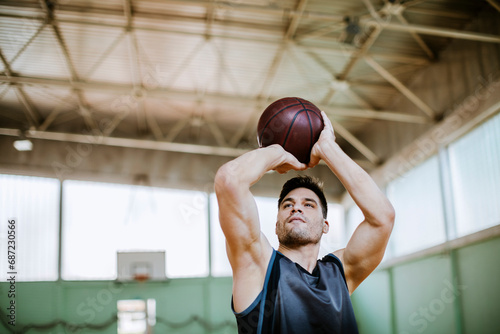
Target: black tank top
{"type": "Point", "coordinates": [294, 301]}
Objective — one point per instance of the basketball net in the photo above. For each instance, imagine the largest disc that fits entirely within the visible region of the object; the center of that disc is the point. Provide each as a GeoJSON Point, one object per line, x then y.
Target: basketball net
{"type": "Point", "coordinates": [141, 277]}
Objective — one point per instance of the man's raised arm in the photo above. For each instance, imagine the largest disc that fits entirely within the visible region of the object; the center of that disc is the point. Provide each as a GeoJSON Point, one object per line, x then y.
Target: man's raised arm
{"type": "Point", "coordinates": [366, 247]}
{"type": "Point", "coordinates": [247, 249]}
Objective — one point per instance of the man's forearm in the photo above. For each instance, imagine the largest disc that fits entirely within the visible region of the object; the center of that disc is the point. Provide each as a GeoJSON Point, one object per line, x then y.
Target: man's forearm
{"type": "Point", "coordinates": [248, 168]}
{"type": "Point", "coordinates": [366, 194]}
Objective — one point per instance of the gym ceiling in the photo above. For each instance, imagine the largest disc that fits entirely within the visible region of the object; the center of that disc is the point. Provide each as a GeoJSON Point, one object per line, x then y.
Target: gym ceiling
{"type": "Point", "coordinates": [164, 92]}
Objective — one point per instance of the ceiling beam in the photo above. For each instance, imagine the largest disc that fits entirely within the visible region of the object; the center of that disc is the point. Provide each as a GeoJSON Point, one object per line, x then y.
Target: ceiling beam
{"type": "Point", "coordinates": [442, 32]}
{"type": "Point", "coordinates": [171, 94]}
{"type": "Point", "coordinates": [439, 13]}
{"type": "Point", "coordinates": [103, 139]}
{"type": "Point", "coordinates": [48, 9]}
{"type": "Point", "coordinates": [31, 114]}
{"type": "Point", "coordinates": [54, 113]}
{"type": "Point", "coordinates": [416, 37]}
{"type": "Point", "coordinates": [105, 54]}
{"type": "Point", "coordinates": [318, 32]}
{"type": "Point", "coordinates": [360, 53]}
{"type": "Point", "coordinates": [294, 23]}
{"type": "Point", "coordinates": [358, 145]}
{"type": "Point", "coordinates": [265, 90]}
{"type": "Point", "coordinates": [494, 4]}
{"type": "Point", "coordinates": [209, 18]}
{"type": "Point", "coordinates": [374, 114]}
{"type": "Point", "coordinates": [334, 49]}
{"type": "Point", "coordinates": [247, 7]}
{"type": "Point", "coordinates": [32, 38]}
{"type": "Point", "coordinates": [135, 68]}
{"type": "Point", "coordinates": [402, 88]}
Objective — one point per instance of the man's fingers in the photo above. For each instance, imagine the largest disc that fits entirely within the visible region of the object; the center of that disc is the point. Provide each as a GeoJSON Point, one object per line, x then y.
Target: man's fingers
{"type": "Point", "coordinates": [326, 120]}
{"type": "Point", "coordinates": [314, 161]}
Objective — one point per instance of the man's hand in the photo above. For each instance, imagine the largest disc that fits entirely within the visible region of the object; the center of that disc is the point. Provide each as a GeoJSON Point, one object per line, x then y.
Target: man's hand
{"type": "Point", "coordinates": [327, 136]}
{"type": "Point", "coordinates": [288, 161]}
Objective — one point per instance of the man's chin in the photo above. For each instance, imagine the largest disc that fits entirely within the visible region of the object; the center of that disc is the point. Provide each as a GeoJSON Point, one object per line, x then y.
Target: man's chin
{"type": "Point", "coordinates": [296, 241]}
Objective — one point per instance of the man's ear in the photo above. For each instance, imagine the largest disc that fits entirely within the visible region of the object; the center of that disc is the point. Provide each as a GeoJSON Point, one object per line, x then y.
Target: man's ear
{"type": "Point", "coordinates": [326, 226]}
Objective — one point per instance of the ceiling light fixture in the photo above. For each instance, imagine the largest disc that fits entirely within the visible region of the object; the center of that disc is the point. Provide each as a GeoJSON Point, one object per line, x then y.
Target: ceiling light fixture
{"type": "Point", "coordinates": [23, 145]}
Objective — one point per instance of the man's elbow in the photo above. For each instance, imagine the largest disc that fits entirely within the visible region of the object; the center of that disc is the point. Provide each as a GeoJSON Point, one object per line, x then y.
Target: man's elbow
{"type": "Point", "coordinates": [389, 216]}
{"type": "Point", "coordinates": [384, 217]}
{"type": "Point", "coordinates": [226, 177]}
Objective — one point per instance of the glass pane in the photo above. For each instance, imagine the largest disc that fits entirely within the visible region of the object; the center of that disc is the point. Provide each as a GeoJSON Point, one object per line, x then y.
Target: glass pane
{"type": "Point", "coordinates": [417, 199]}
{"type": "Point", "coordinates": [475, 171]}
{"type": "Point", "coordinates": [100, 219]}
{"type": "Point", "coordinates": [268, 211]}
{"type": "Point", "coordinates": [33, 203]}
{"type": "Point", "coordinates": [336, 236]}
{"type": "Point", "coordinates": [353, 219]}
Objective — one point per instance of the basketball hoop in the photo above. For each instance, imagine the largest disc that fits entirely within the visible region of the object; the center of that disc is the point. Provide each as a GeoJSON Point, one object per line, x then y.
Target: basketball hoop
{"type": "Point", "coordinates": [140, 266]}
{"type": "Point", "coordinates": [141, 278]}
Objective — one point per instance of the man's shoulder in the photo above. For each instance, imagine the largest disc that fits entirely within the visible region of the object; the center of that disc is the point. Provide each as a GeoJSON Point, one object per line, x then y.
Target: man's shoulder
{"type": "Point", "coordinates": [334, 256]}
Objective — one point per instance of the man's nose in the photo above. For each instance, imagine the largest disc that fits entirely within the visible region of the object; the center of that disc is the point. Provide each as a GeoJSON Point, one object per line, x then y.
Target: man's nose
{"type": "Point", "coordinates": [296, 208]}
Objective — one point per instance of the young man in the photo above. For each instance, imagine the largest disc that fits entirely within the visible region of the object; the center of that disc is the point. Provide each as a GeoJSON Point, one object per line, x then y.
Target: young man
{"type": "Point", "coordinates": [289, 290]}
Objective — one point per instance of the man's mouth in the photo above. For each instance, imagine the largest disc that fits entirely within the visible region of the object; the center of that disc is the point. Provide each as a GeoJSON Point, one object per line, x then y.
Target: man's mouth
{"type": "Point", "coordinates": [296, 218]}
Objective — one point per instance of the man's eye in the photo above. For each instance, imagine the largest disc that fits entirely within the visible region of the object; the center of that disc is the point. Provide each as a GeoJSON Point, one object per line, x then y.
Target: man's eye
{"type": "Point", "coordinates": [287, 205]}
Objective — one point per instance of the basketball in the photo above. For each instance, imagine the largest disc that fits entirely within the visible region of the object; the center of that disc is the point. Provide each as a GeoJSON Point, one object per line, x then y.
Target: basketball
{"type": "Point", "coordinates": [293, 123]}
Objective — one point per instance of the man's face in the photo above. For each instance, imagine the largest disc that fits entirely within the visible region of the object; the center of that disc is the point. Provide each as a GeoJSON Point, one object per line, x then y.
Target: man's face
{"type": "Point", "coordinates": [300, 219]}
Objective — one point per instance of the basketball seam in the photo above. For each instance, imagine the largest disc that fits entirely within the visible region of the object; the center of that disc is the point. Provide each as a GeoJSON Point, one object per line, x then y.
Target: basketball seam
{"type": "Point", "coordinates": [307, 109]}
{"type": "Point", "coordinates": [291, 126]}
{"type": "Point", "coordinates": [310, 123]}
{"type": "Point", "coordinates": [271, 118]}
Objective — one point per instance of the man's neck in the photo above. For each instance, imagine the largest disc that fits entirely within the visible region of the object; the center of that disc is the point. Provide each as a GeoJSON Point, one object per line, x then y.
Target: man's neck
{"type": "Point", "coordinates": [306, 256]}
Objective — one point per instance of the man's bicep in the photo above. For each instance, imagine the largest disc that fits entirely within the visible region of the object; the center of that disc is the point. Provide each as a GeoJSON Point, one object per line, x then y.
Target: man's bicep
{"type": "Point", "coordinates": [247, 248]}
{"type": "Point", "coordinates": [239, 218]}
{"type": "Point", "coordinates": [364, 252]}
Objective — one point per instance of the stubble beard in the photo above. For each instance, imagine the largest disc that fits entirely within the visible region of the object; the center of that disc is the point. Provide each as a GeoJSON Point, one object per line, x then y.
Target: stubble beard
{"type": "Point", "coordinates": [294, 237]}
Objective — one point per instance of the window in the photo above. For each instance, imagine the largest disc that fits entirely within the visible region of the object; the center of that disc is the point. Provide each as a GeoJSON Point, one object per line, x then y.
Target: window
{"type": "Point", "coordinates": [336, 237]}
{"type": "Point", "coordinates": [417, 199]}
{"type": "Point", "coordinates": [101, 219]}
{"type": "Point", "coordinates": [33, 202]}
{"type": "Point", "coordinates": [475, 172]}
{"type": "Point", "coordinates": [354, 217]}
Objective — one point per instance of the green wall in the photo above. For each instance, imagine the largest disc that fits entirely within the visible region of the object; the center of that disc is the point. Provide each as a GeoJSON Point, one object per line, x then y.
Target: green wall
{"type": "Point", "coordinates": [457, 292]}
{"type": "Point", "coordinates": [178, 301]}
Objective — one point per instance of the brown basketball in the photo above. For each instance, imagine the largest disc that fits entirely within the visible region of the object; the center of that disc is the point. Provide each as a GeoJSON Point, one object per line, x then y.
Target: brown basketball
{"type": "Point", "coordinates": [293, 123]}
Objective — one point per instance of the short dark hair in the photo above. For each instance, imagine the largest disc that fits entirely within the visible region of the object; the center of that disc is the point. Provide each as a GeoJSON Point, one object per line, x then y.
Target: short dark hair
{"type": "Point", "coordinates": [305, 181]}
